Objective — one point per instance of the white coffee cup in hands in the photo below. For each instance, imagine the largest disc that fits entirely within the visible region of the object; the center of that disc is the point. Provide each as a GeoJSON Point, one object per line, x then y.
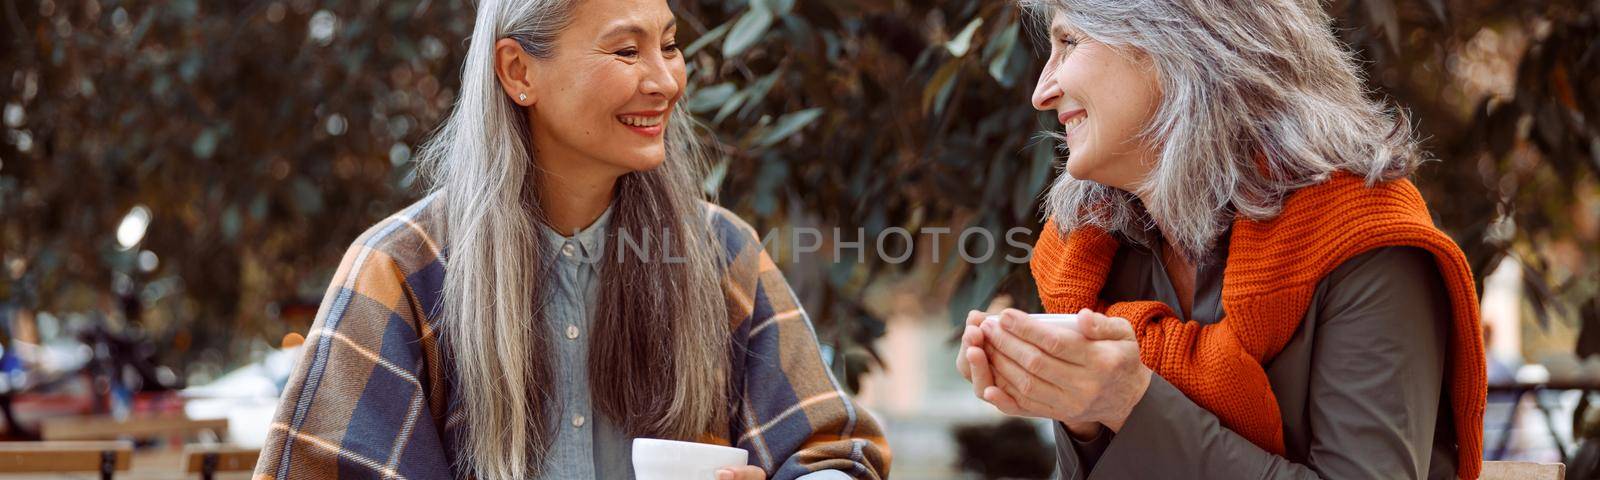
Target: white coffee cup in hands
{"type": "Point", "coordinates": [1063, 320]}
{"type": "Point", "coordinates": [657, 459]}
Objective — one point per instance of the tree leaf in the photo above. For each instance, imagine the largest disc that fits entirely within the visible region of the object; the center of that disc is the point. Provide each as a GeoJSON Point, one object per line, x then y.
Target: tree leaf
{"type": "Point", "coordinates": [1005, 43]}
{"type": "Point", "coordinates": [730, 106]}
{"type": "Point", "coordinates": [706, 39]}
{"type": "Point", "coordinates": [758, 92]}
{"type": "Point", "coordinates": [747, 31]}
{"type": "Point", "coordinates": [959, 45]}
{"type": "Point", "coordinates": [939, 88]}
{"type": "Point", "coordinates": [779, 7]}
{"type": "Point", "coordinates": [205, 144]}
{"type": "Point", "coordinates": [713, 180]}
{"type": "Point", "coordinates": [789, 124]}
{"type": "Point", "coordinates": [1386, 18]}
{"type": "Point", "coordinates": [711, 97]}
{"type": "Point", "coordinates": [1042, 157]}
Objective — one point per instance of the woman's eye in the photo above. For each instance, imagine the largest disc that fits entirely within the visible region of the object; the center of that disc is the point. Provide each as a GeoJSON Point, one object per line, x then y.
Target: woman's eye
{"type": "Point", "coordinates": [629, 52]}
{"type": "Point", "coordinates": [1068, 43]}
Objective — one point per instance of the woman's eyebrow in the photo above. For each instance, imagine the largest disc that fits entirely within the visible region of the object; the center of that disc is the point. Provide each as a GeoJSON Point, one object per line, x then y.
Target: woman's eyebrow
{"type": "Point", "coordinates": [633, 29]}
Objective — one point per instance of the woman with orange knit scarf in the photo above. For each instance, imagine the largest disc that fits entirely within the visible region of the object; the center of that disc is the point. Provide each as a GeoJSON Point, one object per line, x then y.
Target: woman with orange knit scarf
{"type": "Point", "coordinates": [1261, 292]}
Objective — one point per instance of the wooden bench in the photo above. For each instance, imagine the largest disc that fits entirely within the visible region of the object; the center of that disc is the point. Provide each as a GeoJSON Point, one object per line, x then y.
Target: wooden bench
{"type": "Point", "coordinates": [1523, 471]}
{"type": "Point", "coordinates": [65, 457]}
{"type": "Point", "coordinates": [208, 460]}
{"type": "Point", "coordinates": [107, 428]}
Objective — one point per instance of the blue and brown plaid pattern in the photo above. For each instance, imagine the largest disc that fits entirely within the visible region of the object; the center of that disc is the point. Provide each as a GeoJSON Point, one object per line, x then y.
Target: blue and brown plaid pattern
{"type": "Point", "coordinates": [370, 397]}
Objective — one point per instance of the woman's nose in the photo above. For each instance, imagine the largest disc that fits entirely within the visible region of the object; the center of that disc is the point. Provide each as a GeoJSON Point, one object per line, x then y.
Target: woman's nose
{"type": "Point", "coordinates": [659, 79]}
{"type": "Point", "coordinates": [1048, 92]}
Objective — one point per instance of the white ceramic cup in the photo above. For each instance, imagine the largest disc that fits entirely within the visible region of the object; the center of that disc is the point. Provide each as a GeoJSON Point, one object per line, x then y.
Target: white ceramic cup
{"type": "Point", "coordinates": [657, 459]}
{"type": "Point", "coordinates": [1064, 320]}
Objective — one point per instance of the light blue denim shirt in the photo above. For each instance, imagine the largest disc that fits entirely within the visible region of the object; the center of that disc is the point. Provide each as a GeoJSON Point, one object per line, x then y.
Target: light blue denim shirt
{"type": "Point", "coordinates": [588, 445]}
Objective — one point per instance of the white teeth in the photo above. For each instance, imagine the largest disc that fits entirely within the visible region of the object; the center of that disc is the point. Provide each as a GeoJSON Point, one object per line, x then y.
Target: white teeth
{"type": "Point", "coordinates": [637, 121]}
{"type": "Point", "coordinates": [1074, 122]}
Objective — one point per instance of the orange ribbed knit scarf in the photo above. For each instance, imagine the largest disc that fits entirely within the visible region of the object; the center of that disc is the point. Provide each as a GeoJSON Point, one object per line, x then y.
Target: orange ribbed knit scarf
{"type": "Point", "coordinates": [1273, 267]}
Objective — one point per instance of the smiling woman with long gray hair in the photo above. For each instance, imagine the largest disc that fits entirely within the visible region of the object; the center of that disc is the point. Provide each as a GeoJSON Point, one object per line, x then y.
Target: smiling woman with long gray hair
{"type": "Point", "coordinates": [1260, 292]}
{"type": "Point", "coordinates": [564, 288]}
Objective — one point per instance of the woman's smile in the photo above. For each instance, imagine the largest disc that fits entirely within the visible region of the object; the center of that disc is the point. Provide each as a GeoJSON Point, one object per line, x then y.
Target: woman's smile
{"type": "Point", "coordinates": [1071, 120]}
{"type": "Point", "coordinates": [647, 123]}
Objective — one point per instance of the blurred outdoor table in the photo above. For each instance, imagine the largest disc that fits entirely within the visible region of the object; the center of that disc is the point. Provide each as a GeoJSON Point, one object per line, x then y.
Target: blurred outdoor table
{"type": "Point", "coordinates": [1515, 390]}
{"type": "Point", "coordinates": [150, 464]}
{"type": "Point", "coordinates": [141, 426]}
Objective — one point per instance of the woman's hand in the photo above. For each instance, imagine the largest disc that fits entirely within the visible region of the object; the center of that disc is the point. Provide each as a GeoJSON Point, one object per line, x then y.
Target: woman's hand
{"type": "Point", "coordinates": [1032, 369]}
{"type": "Point", "coordinates": [747, 472]}
{"type": "Point", "coordinates": [973, 351]}
{"type": "Point", "coordinates": [971, 337]}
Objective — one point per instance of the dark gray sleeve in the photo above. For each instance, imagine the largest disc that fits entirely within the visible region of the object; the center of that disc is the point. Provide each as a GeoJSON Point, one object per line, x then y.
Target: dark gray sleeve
{"type": "Point", "coordinates": [1074, 457]}
{"type": "Point", "coordinates": [1379, 367]}
{"type": "Point", "coordinates": [1374, 384]}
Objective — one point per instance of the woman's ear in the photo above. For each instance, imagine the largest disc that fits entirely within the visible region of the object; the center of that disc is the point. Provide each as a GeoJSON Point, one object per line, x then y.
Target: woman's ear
{"type": "Point", "coordinates": [515, 69]}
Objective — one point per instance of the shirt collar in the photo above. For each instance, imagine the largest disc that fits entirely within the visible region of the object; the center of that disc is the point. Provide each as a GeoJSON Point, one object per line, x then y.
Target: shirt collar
{"type": "Point", "coordinates": [587, 241]}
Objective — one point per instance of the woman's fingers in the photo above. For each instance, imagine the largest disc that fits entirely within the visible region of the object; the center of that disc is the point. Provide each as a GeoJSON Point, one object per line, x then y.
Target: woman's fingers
{"type": "Point", "coordinates": [972, 337]}
{"type": "Point", "coordinates": [1025, 367]}
{"type": "Point", "coordinates": [1096, 326]}
{"type": "Point", "coordinates": [974, 317]}
{"type": "Point", "coordinates": [981, 374]}
{"type": "Point", "coordinates": [746, 472]}
{"type": "Point", "coordinates": [1033, 345]}
{"type": "Point", "coordinates": [1065, 344]}
{"type": "Point", "coordinates": [1032, 407]}
{"type": "Point", "coordinates": [962, 365]}
{"type": "Point", "coordinates": [1003, 401]}
{"type": "Point", "coordinates": [1020, 381]}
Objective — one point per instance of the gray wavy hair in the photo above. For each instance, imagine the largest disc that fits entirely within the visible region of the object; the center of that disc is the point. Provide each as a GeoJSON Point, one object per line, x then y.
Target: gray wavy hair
{"type": "Point", "coordinates": [1258, 99]}
{"type": "Point", "coordinates": [659, 359]}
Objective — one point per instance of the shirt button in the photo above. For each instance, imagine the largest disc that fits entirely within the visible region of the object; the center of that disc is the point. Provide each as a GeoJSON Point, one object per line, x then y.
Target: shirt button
{"type": "Point", "coordinates": [567, 249]}
{"type": "Point", "coordinates": [572, 332]}
{"type": "Point", "coordinates": [577, 421]}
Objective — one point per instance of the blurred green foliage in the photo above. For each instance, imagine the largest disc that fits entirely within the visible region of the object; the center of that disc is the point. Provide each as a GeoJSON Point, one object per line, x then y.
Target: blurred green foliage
{"type": "Point", "coordinates": [916, 116]}
{"type": "Point", "coordinates": [1506, 97]}
{"type": "Point", "coordinates": [263, 136]}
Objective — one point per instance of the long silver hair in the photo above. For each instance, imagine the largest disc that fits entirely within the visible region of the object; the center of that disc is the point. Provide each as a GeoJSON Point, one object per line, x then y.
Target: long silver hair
{"type": "Point", "coordinates": [1258, 99]}
{"type": "Point", "coordinates": [658, 359]}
